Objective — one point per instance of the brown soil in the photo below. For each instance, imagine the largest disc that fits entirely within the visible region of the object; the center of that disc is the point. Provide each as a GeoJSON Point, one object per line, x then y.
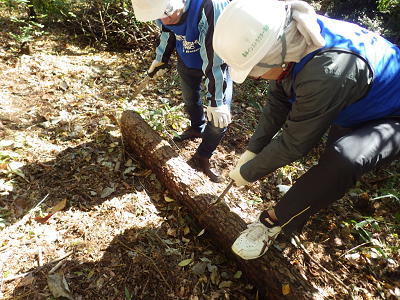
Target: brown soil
{"type": "Point", "coordinates": [113, 234]}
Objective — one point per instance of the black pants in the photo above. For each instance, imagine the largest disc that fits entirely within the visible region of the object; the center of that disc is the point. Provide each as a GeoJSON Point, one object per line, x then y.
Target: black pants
{"type": "Point", "coordinates": [349, 154]}
{"type": "Point", "coordinates": [191, 80]}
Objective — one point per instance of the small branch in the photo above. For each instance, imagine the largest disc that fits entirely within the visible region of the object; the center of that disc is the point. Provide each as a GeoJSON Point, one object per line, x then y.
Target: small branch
{"type": "Point", "coordinates": [118, 163]}
{"type": "Point", "coordinates": [333, 276]}
{"type": "Point", "coordinates": [38, 269]}
{"type": "Point", "coordinates": [25, 295]}
{"type": "Point", "coordinates": [24, 219]}
{"type": "Point", "coordinates": [56, 267]}
{"type": "Point", "coordinates": [354, 248]}
{"type": "Point", "coordinates": [1, 286]}
{"type": "Point", "coordinates": [103, 26]}
{"type": "Point", "coordinates": [17, 276]}
{"type": "Point", "coordinates": [40, 256]}
{"type": "Point", "coordinates": [149, 258]}
{"type": "Point", "coordinates": [37, 205]}
{"type": "Point", "coordinates": [381, 179]}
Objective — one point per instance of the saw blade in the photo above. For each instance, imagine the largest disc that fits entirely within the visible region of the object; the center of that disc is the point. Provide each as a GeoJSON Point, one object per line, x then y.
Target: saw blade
{"type": "Point", "coordinates": [141, 86]}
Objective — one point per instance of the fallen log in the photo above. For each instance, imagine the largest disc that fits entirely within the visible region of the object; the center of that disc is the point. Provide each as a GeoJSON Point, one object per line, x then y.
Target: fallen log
{"type": "Point", "coordinates": [269, 273]}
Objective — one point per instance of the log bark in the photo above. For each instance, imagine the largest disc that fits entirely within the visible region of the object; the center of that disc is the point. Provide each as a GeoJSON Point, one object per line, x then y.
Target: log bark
{"type": "Point", "coordinates": [269, 272]}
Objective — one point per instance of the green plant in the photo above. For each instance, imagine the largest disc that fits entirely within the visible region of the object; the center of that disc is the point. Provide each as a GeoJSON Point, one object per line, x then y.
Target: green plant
{"type": "Point", "coordinates": [28, 30]}
{"type": "Point", "coordinates": [363, 230]}
{"type": "Point", "coordinates": [27, 13]}
{"type": "Point", "coordinates": [2, 222]}
{"type": "Point", "coordinates": [54, 9]}
{"type": "Point", "coordinates": [28, 27]}
{"type": "Point", "coordinates": [392, 7]}
{"type": "Point", "coordinates": [7, 156]}
{"type": "Point", "coordinates": [397, 217]}
{"type": "Point", "coordinates": [390, 188]}
{"type": "Point", "coordinates": [127, 294]}
{"type": "Point", "coordinates": [164, 116]}
{"type": "Point", "coordinates": [256, 200]}
{"type": "Point", "coordinates": [255, 104]}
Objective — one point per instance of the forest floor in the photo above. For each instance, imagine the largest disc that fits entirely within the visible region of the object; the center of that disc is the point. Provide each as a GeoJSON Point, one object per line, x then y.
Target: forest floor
{"type": "Point", "coordinates": [81, 218]}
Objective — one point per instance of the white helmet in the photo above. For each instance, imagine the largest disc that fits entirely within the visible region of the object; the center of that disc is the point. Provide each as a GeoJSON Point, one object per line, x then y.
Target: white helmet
{"type": "Point", "coordinates": [149, 10]}
{"type": "Point", "coordinates": [246, 31]}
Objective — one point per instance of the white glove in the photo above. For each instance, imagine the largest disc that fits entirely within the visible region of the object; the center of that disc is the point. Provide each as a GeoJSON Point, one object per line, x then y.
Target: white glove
{"type": "Point", "coordinates": [220, 115]}
{"type": "Point", "coordinates": [246, 156]}
{"type": "Point", "coordinates": [235, 173]}
{"type": "Point", "coordinates": [157, 69]}
{"type": "Point", "coordinates": [237, 177]}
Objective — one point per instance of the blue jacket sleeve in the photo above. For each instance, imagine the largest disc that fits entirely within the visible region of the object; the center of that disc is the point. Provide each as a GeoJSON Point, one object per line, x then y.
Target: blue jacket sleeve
{"type": "Point", "coordinates": [214, 69]}
{"type": "Point", "coordinates": [165, 43]}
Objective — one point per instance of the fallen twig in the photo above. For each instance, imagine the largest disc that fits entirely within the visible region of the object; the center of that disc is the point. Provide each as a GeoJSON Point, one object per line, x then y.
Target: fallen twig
{"type": "Point", "coordinates": [1, 286]}
{"type": "Point", "coordinates": [354, 248]}
{"type": "Point", "coordinates": [38, 269]}
{"type": "Point", "coordinates": [24, 219]}
{"type": "Point", "coordinates": [40, 256]}
{"type": "Point", "coordinates": [118, 163]}
{"type": "Point", "coordinates": [56, 267]}
{"type": "Point", "coordinates": [149, 258]}
{"type": "Point", "coordinates": [296, 238]}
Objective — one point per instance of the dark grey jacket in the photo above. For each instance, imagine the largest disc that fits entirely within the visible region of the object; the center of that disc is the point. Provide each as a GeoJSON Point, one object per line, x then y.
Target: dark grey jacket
{"type": "Point", "coordinates": [327, 84]}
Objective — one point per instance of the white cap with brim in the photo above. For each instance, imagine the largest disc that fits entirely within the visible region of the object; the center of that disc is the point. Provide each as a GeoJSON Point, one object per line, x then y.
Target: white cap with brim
{"type": "Point", "coordinates": [237, 75]}
{"type": "Point", "coordinates": [149, 10]}
{"type": "Point", "coordinates": [155, 9]}
{"type": "Point", "coordinates": [172, 6]}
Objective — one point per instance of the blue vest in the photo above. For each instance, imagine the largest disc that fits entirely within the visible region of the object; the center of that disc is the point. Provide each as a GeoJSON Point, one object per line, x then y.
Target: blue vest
{"type": "Point", "coordinates": [383, 99]}
{"type": "Point", "coordinates": [187, 37]}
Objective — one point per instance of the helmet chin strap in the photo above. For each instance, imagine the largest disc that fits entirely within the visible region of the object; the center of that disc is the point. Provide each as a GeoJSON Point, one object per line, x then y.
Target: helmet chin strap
{"type": "Point", "coordinates": [283, 40]}
{"type": "Point", "coordinates": [282, 64]}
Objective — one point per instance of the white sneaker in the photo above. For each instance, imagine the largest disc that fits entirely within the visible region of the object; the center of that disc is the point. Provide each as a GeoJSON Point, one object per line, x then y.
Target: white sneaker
{"type": "Point", "coordinates": [255, 240]}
